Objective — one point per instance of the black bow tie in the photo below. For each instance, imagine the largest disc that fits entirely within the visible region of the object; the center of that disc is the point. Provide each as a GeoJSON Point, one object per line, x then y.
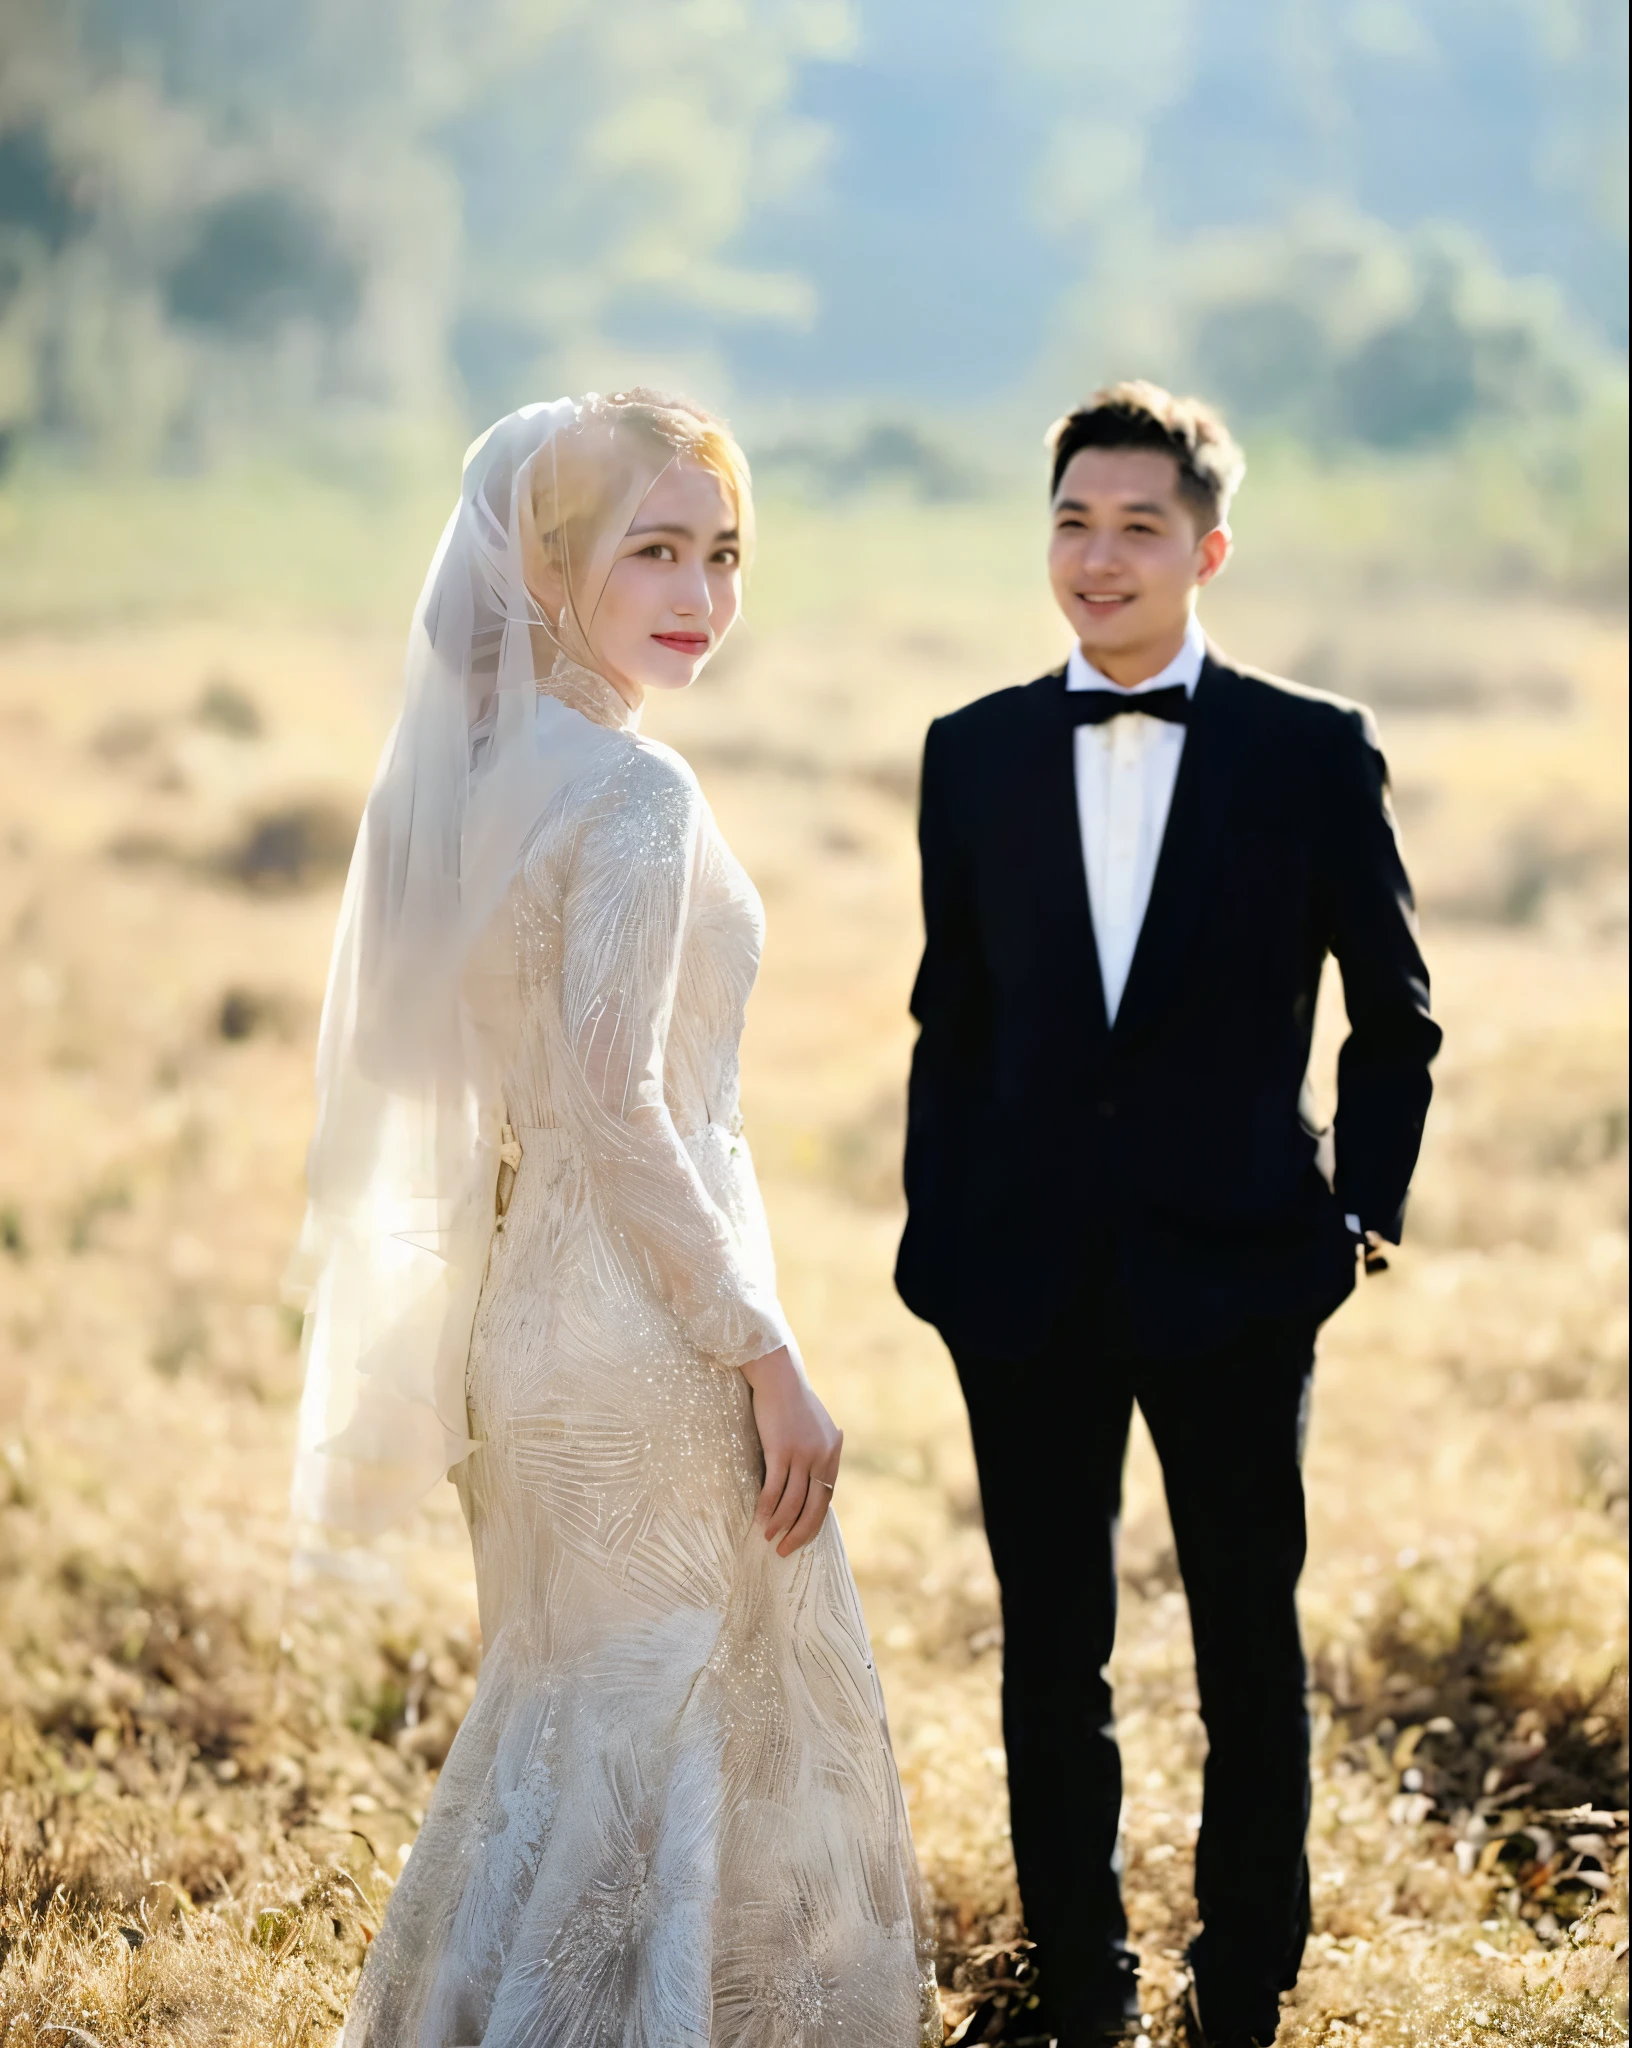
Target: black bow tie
{"type": "Point", "coordinates": [1098, 707]}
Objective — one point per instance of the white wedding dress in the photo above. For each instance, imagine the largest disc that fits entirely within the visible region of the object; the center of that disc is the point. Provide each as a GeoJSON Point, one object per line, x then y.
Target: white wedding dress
{"type": "Point", "coordinates": [671, 1818]}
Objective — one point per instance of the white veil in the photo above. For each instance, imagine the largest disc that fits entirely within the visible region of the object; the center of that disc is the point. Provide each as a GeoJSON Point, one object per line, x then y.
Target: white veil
{"type": "Point", "coordinates": [403, 1162]}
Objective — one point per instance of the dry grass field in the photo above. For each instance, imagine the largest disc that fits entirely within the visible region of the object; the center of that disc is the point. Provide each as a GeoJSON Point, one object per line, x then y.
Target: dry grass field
{"type": "Point", "coordinates": [209, 1777]}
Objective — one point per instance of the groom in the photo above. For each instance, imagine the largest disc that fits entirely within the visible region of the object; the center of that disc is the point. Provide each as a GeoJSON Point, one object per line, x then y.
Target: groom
{"type": "Point", "coordinates": [1133, 869]}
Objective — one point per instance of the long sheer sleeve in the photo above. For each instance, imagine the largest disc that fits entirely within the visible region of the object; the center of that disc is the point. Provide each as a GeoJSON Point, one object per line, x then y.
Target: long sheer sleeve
{"type": "Point", "coordinates": [626, 894]}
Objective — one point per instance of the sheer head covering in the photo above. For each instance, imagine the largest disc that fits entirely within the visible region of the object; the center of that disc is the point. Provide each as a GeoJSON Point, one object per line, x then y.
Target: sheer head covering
{"type": "Point", "coordinates": [403, 1162]}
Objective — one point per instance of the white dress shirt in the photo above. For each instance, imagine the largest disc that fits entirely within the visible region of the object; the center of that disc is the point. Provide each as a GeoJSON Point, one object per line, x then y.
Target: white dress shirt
{"type": "Point", "coordinates": [1125, 773]}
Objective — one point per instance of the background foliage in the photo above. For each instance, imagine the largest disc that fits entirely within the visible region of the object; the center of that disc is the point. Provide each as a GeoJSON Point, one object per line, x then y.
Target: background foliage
{"type": "Point", "coordinates": [1388, 226]}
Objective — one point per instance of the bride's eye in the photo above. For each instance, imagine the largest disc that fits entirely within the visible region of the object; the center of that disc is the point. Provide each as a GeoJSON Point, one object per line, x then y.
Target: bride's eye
{"type": "Point", "coordinates": [658, 551]}
{"type": "Point", "coordinates": [727, 557]}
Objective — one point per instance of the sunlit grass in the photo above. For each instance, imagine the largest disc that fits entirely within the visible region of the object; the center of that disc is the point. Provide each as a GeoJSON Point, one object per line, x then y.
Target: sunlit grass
{"type": "Point", "coordinates": [210, 1780]}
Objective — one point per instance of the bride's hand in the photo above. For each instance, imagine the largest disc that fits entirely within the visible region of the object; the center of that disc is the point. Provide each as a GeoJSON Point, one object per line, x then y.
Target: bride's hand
{"type": "Point", "coordinates": [801, 1446]}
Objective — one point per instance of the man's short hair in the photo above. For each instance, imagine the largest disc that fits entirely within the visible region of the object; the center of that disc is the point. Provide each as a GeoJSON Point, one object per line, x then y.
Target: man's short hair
{"type": "Point", "coordinates": [1141, 415]}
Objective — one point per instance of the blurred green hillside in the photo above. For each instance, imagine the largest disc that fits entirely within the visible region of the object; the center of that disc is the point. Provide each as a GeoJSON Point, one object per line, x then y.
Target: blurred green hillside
{"type": "Point", "coordinates": [262, 272]}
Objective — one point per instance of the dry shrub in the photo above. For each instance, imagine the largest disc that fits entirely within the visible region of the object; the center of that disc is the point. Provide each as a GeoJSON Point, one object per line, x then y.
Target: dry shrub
{"type": "Point", "coordinates": [1522, 1780]}
{"type": "Point", "coordinates": [296, 846]}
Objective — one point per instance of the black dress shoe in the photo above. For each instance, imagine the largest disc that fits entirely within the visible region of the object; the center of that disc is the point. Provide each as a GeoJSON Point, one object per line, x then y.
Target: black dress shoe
{"type": "Point", "coordinates": [1197, 2036]}
{"type": "Point", "coordinates": [1106, 2034]}
{"type": "Point", "coordinates": [1117, 2034]}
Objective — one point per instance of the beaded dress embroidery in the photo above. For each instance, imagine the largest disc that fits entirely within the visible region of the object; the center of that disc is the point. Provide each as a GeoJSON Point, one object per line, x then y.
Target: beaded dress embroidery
{"type": "Point", "coordinates": [671, 1818]}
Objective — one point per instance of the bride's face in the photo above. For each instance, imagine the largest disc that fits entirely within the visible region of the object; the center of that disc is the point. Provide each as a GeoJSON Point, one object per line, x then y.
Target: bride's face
{"type": "Point", "coordinates": [675, 587]}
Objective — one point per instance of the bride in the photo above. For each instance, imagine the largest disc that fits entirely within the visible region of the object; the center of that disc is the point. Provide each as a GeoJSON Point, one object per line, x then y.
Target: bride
{"type": "Point", "coordinates": [535, 1257]}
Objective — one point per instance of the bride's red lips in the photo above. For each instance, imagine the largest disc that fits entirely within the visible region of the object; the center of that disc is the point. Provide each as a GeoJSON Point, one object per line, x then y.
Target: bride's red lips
{"type": "Point", "coordinates": [683, 643]}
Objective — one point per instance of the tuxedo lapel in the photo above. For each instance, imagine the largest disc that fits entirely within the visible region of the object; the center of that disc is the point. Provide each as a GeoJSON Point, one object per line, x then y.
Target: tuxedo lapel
{"type": "Point", "coordinates": [1052, 834]}
{"type": "Point", "coordinates": [1202, 798]}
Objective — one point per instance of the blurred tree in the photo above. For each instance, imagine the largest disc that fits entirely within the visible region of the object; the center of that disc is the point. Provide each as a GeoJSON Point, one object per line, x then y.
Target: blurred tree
{"type": "Point", "coordinates": [257, 260]}
{"type": "Point", "coordinates": [258, 243]}
{"type": "Point", "coordinates": [221, 222]}
{"type": "Point", "coordinates": [1416, 379]}
{"type": "Point", "coordinates": [1336, 329]}
{"type": "Point", "coordinates": [324, 222]}
{"type": "Point", "coordinates": [36, 200]}
{"type": "Point", "coordinates": [1010, 184]}
{"type": "Point", "coordinates": [1261, 354]}
{"type": "Point", "coordinates": [608, 159]}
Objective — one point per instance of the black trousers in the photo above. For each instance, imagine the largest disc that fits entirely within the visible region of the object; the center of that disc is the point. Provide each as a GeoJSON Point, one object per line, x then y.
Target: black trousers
{"type": "Point", "coordinates": [1050, 1437]}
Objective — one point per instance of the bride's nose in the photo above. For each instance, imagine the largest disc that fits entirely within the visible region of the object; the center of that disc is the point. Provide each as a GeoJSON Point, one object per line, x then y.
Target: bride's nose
{"type": "Point", "coordinates": [692, 598]}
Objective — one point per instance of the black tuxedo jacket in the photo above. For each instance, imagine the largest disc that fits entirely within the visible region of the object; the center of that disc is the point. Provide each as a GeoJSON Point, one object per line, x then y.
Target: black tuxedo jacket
{"type": "Point", "coordinates": [1180, 1133]}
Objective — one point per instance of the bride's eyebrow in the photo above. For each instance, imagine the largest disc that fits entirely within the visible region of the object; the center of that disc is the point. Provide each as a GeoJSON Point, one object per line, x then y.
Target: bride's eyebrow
{"type": "Point", "coordinates": [683, 532]}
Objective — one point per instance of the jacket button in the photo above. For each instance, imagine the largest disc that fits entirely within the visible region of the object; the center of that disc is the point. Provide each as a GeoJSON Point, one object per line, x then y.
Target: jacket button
{"type": "Point", "coordinates": [1105, 1106]}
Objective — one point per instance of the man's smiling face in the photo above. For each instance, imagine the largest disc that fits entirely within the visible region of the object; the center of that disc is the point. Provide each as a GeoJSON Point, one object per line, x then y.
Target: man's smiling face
{"type": "Point", "coordinates": [1125, 557]}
